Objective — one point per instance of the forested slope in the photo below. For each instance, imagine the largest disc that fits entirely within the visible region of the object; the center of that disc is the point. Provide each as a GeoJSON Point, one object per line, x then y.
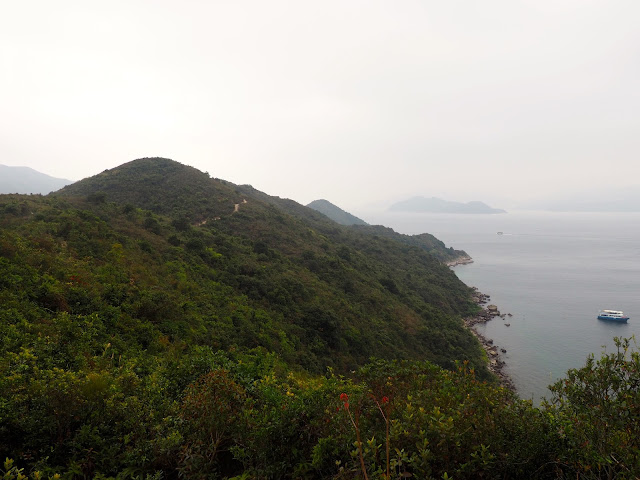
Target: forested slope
{"type": "Point", "coordinates": [332, 295]}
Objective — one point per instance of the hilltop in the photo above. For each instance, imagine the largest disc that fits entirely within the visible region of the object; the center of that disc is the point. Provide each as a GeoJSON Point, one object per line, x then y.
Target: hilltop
{"type": "Point", "coordinates": [161, 186]}
{"type": "Point", "coordinates": [335, 213]}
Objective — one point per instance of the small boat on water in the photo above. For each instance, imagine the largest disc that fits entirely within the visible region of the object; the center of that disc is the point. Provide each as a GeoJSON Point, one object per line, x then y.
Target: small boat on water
{"type": "Point", "coordinates": [613, 316]}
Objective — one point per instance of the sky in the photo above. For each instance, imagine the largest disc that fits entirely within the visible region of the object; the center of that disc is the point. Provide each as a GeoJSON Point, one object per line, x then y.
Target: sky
{"type": "Point", "coordinates": [359, 102]}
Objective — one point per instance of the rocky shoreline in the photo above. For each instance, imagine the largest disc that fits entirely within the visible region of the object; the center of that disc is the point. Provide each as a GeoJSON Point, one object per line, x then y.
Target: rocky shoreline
{"type": "Point", "coordinates": [461, 260]}
{"type": "Point", "coordinates": [489, 312]}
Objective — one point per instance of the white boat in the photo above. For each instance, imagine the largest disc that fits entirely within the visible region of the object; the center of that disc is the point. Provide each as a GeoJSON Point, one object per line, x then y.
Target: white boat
{"type": "Point", "coordinates": [613, 315]}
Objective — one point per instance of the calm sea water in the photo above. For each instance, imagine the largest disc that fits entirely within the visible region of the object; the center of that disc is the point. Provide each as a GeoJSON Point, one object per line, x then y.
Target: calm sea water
{"type": "Point", "coordinates": [553, 272]}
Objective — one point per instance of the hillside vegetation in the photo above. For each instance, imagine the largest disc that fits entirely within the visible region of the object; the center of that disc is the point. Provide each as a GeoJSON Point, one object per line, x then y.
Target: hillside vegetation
{"type": "Point", "coordinates": [157, 323]}
{"type": "Point", "coordinates": [316, 292]}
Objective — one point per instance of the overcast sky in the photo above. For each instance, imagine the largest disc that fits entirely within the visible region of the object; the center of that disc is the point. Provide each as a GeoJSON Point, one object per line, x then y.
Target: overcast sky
{"type": "Point", "coordinates": [358, 102]}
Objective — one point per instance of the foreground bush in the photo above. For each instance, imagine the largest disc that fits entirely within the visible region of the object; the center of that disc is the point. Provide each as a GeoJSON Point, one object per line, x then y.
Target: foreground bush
{"type": "Point", "coordinates": [205, 414]}
{"type": "Point", "coordinates": [596, 411]}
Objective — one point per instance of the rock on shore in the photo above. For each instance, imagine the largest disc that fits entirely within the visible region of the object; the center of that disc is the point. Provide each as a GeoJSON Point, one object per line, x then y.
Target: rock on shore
{"type": "Point", "coordinates": [461, 260]}
{"type": "Point", "coordinates": [496, 364]}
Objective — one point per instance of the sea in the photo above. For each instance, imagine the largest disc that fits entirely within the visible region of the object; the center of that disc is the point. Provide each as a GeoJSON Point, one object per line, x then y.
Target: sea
{"type": "Point", "coordinates": [553, 272]}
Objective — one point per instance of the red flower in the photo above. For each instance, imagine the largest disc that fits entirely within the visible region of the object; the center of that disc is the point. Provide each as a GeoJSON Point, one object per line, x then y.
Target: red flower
{"type": "Point", "coordinates": [385, 400]}
{"type": "Point", "coordinates": [344, 397]}
{"type": "Point", "coordinates": [346, 405]}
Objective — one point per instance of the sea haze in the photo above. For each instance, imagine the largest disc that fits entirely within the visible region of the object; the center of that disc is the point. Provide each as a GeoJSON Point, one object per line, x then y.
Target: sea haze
{"type": "Point", "coordinates": [553, 272]}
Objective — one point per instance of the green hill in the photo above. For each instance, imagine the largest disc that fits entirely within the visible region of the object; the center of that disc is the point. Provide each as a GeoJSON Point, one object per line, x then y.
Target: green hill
{"type": "Point", "coordinates": [313, 291]}
{"type": "Point", "coordinates": [162, 186]}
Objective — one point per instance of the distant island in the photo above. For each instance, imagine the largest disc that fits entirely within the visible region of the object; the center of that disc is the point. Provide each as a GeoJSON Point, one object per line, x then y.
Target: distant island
{"type": "Point", "coordinates": [335, 213]}
{"type": "Point", "coordinates": [27, 180]}
{"type": "Point", "coordinates": [438, 205]}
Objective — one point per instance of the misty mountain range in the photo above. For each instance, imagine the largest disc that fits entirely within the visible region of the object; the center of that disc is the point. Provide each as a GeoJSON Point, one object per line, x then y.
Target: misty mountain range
{"type": "Point", "coordinates": [611, 199]}
{"type": "Point", "coordinates": [28, 180]}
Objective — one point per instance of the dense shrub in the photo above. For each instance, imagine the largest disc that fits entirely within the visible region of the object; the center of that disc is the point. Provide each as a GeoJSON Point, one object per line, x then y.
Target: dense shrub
{"type": "Point", "coordinates": [596, 411]}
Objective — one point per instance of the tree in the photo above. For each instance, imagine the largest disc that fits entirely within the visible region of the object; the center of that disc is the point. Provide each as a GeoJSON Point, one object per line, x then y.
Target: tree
{"type": "Point", "coordinates": [212, 409]}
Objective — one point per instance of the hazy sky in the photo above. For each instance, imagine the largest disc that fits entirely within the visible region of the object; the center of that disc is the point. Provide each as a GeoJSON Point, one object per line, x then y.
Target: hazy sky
{"type": "Point", "coordinates": [353, 101]}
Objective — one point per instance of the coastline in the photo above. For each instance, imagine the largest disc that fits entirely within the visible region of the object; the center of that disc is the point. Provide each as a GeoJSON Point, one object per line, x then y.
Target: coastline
{"type": "Point", "coordinates": [495, 362]}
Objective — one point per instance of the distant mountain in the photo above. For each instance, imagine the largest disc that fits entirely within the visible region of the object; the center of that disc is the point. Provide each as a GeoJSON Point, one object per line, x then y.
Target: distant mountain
{"type": "Point", "coordinates": [28, 180]}
{"type": "Point", "coordinates": [335, 213]}
{"type": "Point", "coordinates": [437, 205]}
{"type": "Point", "coordinates": [615, 199]}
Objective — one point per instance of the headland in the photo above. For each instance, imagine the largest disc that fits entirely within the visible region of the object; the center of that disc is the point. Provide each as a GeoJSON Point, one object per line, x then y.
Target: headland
{"type": "Point", "coordinates": [461, 260]}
